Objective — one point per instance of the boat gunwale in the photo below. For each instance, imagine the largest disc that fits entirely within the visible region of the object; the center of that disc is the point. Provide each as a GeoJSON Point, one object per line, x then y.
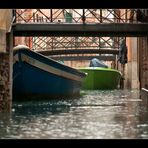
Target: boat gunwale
{"type": "Point", "coordinates": [74, 71]}
{"type": "Point", "coordinates": [100, 69]}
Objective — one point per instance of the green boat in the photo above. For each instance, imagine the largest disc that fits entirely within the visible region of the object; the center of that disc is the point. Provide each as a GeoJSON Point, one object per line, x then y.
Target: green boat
{"type": "Point", "coordinates": [100, 78]}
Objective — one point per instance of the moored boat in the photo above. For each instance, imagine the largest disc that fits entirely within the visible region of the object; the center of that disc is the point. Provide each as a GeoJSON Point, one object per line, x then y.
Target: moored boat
{"type": "Point", "coordinates": [100, 77]}
{"type": "Point", "coordinates": [38, 77]}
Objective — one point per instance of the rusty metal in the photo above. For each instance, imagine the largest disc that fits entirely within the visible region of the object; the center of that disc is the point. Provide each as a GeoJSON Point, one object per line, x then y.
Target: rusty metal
{"type": "Point", "coordinates": [143, 62]}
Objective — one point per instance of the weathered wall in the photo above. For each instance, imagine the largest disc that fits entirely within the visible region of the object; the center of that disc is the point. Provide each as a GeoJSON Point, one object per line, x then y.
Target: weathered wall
{"type": "Point", "coordinates": [5, 61]}
{"type": "Point", "coordinates": [5, 98]}
{"type": "Point", "coordinates": [5, 21]}
{"type": "Point", "coordinates": [132, 67]}
{"type": "Point", "coordinates": [143, 61]}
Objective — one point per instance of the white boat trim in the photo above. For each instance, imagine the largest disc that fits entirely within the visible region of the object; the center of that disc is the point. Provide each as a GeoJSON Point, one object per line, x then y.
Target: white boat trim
{"type": "Point", "coordinates": [144, 89]}
{"type": "Point", "coordinates": [46, 67]}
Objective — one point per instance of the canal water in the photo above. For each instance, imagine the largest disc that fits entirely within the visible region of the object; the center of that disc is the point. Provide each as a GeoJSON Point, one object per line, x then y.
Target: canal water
{"type": "Point", "coordinates": [117, 114]}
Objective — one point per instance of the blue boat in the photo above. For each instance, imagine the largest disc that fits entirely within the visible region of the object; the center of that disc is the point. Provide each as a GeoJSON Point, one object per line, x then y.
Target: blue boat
{"type": "Point", "coordinates": [38, 77]}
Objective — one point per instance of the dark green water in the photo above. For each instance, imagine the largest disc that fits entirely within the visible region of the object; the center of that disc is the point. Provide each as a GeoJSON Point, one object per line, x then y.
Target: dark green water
{"type": "Point", "coordinates": [117, 114]}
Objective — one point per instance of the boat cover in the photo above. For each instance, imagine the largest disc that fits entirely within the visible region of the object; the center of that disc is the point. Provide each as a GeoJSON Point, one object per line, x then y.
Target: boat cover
{"type": "Point", "coordinates": [97, 63]}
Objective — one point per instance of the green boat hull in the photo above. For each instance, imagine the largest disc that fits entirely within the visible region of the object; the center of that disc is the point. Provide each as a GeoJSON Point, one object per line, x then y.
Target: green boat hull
{"type": "Point", "coordinates": [100, 78]}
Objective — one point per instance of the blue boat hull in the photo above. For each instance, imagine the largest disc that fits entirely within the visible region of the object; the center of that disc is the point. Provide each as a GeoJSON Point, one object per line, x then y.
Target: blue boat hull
{"type": "Point", "coordinates": [38, 77]}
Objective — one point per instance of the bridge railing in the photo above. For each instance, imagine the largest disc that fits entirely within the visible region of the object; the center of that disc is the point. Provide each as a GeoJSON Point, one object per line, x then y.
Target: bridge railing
{"type": "Point", "coordinates": [72, 16]}
{"type": "Point", "coordinates": [60, 43]}
{"type": "Point", "coordinates": [75, 15]}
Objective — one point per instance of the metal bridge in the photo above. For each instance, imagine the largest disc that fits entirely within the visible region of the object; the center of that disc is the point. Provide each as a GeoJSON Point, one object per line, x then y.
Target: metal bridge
{"type": "Point", "coordinates": [78, 31]}
{"type": "Point", "coordinates": [72, 29]}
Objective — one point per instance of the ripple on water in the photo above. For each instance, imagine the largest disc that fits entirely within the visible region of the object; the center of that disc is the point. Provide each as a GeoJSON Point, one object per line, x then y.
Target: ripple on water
{"type": "Point", "coordinates": [96, 114]}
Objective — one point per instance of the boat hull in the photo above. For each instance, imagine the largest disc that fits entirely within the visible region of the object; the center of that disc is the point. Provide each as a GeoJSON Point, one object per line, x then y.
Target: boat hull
{"type": "Point", "coordinates": [100, 78]}
{"type": "Point", "coordinates": [38, 77]}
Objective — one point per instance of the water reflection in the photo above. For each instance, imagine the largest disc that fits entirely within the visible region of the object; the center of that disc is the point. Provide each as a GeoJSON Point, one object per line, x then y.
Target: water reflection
{"type": "Point", "coordinates": [4, 124]}
{"type": "Point", "coordinates": [40, 108]}
{"type": "Point", "coordinates": [143, 117]}
{"type": "Point", "coordinates": [96, 114]}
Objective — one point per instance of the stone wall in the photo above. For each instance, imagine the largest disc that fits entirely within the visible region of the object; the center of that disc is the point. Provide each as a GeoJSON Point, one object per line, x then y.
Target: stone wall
{"type": "Point", "coordinates": [5, 103]}
{"type": "Point", "coordinates": [5, 64]}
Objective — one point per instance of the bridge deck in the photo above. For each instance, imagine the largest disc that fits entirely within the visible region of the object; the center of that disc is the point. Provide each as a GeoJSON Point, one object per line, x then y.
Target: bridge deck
{"type": "Point", "coordinates": [73, 29]}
